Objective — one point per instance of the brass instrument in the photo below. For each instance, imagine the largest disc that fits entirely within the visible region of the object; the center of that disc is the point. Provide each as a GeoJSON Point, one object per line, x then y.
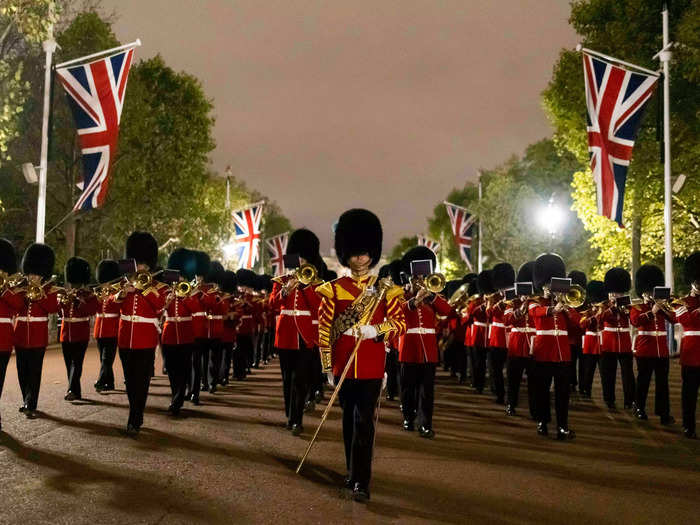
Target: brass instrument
{"type": "Point", "coordinates": [10, 281]}
{"type": "Point", "coordinates": [66, 297]}
{"type": "Point", "coordinates": [434, 283]}
{"type": "Point", "coordinates": [666, 305]}
{"type": "Point", "coordinates": [142, 280]}
{"type": "Point", "coordinates": [574, 298]}
{"type": "Point", "coordinates": [306, 273]}
{"type": "Point", "coordinates": [35, 288]}
{"type": "Point", "coordinates": [182, 289]}
{"type": "Point", "coordinates": [459, 295]}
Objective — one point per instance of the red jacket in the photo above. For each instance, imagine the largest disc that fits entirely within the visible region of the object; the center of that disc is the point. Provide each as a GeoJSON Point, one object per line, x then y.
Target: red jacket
{"type": "Point", "coordinates": [10, 302]}
{"type": "Point", "coordinates": [336, 297]}
{"type": "Point", "coordinates": [246, 312]}
{"type": "Point", "coordinates": [591, 335]}
{"type": "Point", "coordinates": [32, 322]}
{"type": "Point", "coordinates": [140, 312]}
{"type": "Point", "coordinates": [177, 328]}
{"type": "Point", "coordinates": [230, 321]}
{"type": "Point", "coordinates": [551, 343]}
{"type": "Point", "coordinates": [294, 317]}
{"type": "Point", "coordinates": [107, 318]}
{"type": "Point", "coordinates": [688, 315]}
{"type": "Point", "coordinates": [497, 327]}
{"type": "Point", "coordinates": [477, 334]}
{"type": "Point", "coordinates": [419, 343]}
{"type": "Point", "coordinates": [521, 331]}
{"type": "Point", "coordinates": [75, 318]}
{"type": "Point", "coordinates": [216, 315]}
{"type": "Point", "coordinates": [651, 338]}
{"type": "Point", "coordinates": [202, 300]}
{"type": "Point", "coordinates": [615, 328]}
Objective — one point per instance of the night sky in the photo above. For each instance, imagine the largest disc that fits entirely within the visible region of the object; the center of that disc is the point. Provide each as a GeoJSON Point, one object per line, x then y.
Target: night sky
{"type": "Point", "coordinates": [388, 105]}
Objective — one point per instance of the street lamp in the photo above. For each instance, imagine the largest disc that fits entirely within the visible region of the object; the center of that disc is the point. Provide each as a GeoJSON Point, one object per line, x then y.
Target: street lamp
{"type": "Point", "coordinates": [552, 218]}
{"type": "Point", "coordinates": [229, 250]}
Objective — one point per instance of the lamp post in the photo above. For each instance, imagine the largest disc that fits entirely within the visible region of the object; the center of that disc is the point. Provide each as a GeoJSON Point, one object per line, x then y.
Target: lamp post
{"type": "Point", "coordinates": [551, 218]}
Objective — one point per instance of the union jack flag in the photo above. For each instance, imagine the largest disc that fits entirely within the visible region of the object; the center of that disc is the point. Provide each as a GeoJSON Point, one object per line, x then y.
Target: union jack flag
{"type": "Point", "coordinates": [277, 247]}
{"type": "Point", "coordinates": [95, 93]}
{"type": "Point", "coordinates": [429, 243]}
{"type": "Point", "coordinates": [246, 225]}
{"type": "Point", "coordinates": [615, 99]}
{"type": "Point", "coordinates": [462, 222]}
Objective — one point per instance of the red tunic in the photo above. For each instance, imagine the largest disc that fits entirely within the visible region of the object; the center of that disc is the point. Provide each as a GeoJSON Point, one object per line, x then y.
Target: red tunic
{"type": "Point", "coordinates": [140, 311]}
{"type": "Point", "coordinates": [294, 317]}
{"type": "Point", "coordinates": [75, 318]}
{"type": "Point", "coordinates": [477, 335]}
{"type": "Point", "coordinates": [651, 338]}
{"type": "Point", "coordinates": [497, 326]}
{"type": "Point", "coordinates": [591, 337]}
{"type": "Point", "coordinates": [217, 312]}
{"type": "Point", "coordinates": [246, 311]}
{"type": "Point", "coordinates": [616, 331]}
{"type": "Point", "coordinates": [230, 321]}
{"type": "Point", "coordinates": [419, 343]}
{"type": "Point", "coordinates": [107, 319]}
{"type": "Point", "coordinates": [10, 302]}
{"type": "Point", "coordinates": [32, 322]}
{"type": "Point", "coordinates": [551, 343]}
{"type": "Point", "coordinates": [688, 315]}
{"type": "Point", "coordinates": [521, 331]}
{"type": "Point", "coordinates": [201, 302]}
{"type": "Point", "coordinates": [177, 328]}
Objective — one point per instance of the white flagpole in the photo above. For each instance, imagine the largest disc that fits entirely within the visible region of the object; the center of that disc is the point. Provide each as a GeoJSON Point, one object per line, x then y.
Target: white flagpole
{"type": "Point", "coordinates": [665, 58]}
{"type": "Point", "coordinates": [135, 43]}
{"type": "Point", "coordinates": [49, 48]}
{"type": "Point", "coordinates": [480, 262]}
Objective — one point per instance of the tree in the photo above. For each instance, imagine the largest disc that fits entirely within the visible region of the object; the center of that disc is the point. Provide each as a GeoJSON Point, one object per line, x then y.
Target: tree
{"type": "Point", "coordinates": [404, 244]}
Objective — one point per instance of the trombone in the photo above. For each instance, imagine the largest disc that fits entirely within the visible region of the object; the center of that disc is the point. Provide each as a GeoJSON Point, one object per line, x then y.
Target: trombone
{"type": "Point", "coordinates": [574, 298]}
{"type": "Point", "coordinates": [434, 283]}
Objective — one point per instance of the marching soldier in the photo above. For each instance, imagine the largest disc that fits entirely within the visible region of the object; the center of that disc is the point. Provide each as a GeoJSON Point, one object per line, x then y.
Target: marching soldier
{"type": "Point", "coordinates": [595, 295]}
{"type": "Point", "coordinates": [106, 322]}
{"type": "Point", "coordinates": [616, 341]}
{"type": "Point", "coordinates": [229, 286]}
{"type": "Point", "coordinates": [76, 306]}
{"type": "Point", "coordinates": [418, 351]}
{"type": "Point", "coordinates": [576, 335]}
{"type": "Point", "coordinates": [212, 355]}
{"type": "Point", "coordinates": [502, 277]}
{"type": "Point", "coordinates": [202, 301]}
{"type": "Point", "coordinates": [550, 347]}
{"type": "Point", "coordinates": [142, 301]}
{"type": "Point", "coordinates": [355, 317]}
{"type": "Point", "coordinates": [688, 315]}
{"type": "Point", "coordinates": [651, 344]}
{"type": "Point", "coordinates": [8, 305]}
{"type": "Point", "coordinates": [391, 367]}
{"type": "Point", "coordinates": [35, 301]}
{"type": "Point", "coordinates": [246, 311]}
{"type": "Point", "coordinates": [478, 335]}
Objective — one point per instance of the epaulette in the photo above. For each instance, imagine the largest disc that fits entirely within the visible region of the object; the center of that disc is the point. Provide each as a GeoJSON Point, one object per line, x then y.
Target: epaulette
{"type": "Point", "coordinates": [326, 289]}
{"type": "Point", "coordinates": [393, 292]}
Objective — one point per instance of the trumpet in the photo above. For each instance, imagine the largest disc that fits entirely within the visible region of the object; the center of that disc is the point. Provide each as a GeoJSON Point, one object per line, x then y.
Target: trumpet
{"type": "Point", "coordinates": [35, 288]}
{"type": "Point", "coordinates": [574, 298]}
{"type": "Point", "coordinates": [306, 273]}
{"type": "Point", "coordinates": [10, 281]}
{"type": "Point", "coordinates": [666, 305]}
{"type": "Point", "coordinates": [182, 289]}
{"type": "Point", "coordinates": [434, 283]}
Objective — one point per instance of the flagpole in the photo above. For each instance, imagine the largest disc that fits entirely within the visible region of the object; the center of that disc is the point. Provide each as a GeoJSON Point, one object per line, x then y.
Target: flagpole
{"type": "Point", "coordinates": [665, 58]}
{"type": "Point", "coordinates": [135, 43]}
{"type": "Point", "coordinates": [479, 262]}
{"type": "Point", "coordinates": [49, 46]}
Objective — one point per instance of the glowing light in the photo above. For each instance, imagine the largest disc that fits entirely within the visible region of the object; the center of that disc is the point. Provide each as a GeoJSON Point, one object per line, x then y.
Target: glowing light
{"type": "Point", "coordinates": [552, 217]}
{"type": "Point", "coordinates": [229, 250]}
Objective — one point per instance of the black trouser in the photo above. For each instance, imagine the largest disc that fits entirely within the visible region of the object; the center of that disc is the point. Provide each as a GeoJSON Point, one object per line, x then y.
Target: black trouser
{"type": "Point", "coordinates": [659, 367]}
{"type": "Point", "coordinates": [138, 367]}
{"type": "Point", "coordinates": [73, 356]}
{"type": "Point", "coordinates": [195, 383]}
{"type": "Point", "coordinates": [448, 356]}
{"type": "Point", "coordinates": [515, 367]}
{"type": "Point", "coordinates": [177, 359]}
{"type": "Point", "coordinates": [391, 367]}
{"type": "Point", "coordinates": [226, 359]}
{"type": "Point", "coordinates": [575, 365]}
{"type": "Point", "coordinates": [498, 361]}
{"type": "Point", "coordinates": [296, 368]}
{"type": "Point", "coordinates": [544, 372]}
{"type": "Point", "coordinates": [478, 356]}
{"type": "Point", "coordinates": [244, 346]}
{"type": "Point", "coordinates": [461, 353]}
{"type": "Point", "coordinates": [214, 364]}
{"type": "Point", "coordinates": [588, 364]}
{"type": "Point", "coordinates": [204, 364]}
{"type": "Point", "coordinates": [4, 359]}
{"type": "Point", "coordinates": [689, 395]}
{"type": "Point", "coordinates": [358, 399]}
{"type": "Point", "coordinates": [250, 351]}
{"type": "Point", "coordinates": [267, 348]}
{"type": "Point", "coordinates": [107, 347]}
{"type": "Point", "coordinates": [608, 376]}
{"type": "Point", "coordinates": [29, 364]}
{"type": "Point", "coordinates": [317, 375]}
{"type": "Point", "coordinates": [418, 392]}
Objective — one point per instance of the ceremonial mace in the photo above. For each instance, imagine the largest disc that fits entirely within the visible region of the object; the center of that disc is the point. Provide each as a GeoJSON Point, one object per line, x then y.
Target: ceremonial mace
{"type": "Point", "coordinates": [384, 285]}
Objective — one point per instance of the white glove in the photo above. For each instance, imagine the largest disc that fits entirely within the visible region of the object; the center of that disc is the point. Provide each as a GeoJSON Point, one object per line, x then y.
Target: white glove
{"type": "Point", "coordinates": [330, 378]}
{"type": "Point", "coordinates": [367, 331]}
{"type": "Point", "coordinates": [384, 380]}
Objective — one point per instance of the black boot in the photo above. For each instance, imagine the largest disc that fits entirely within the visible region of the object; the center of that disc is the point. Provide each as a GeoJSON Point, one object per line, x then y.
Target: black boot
{"type": "Point", "coordinates": [542, 429]}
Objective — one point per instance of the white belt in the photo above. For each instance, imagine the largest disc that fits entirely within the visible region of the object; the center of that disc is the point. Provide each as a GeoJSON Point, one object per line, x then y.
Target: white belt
{"type": "Point", "coordinates": [691, 332]}
{"type": "Point", "coordinates": [652, 333]}
{"type": "Point", "coordinates": [178, 319]}
{"type": "Point", "coordinates": [31, 319]}
{"type": "Point", "coordinates": [75, 319]}
{"type": "Point", "coordinates": [199, 314]}
{"type": "Point", "coordinates": [479, 323]}
{"type": "Point", "coordinates": [295, 313]}
{"type": "Point", "coordinates": [595, 334]}
{"type": "Point", "coordinates": [552, 332]}
{"type": "Point", "coordinates": [5, 320]}
{"type": "Point", "coordinates": [246, 317]}
{"type": "Point", "coordinates": [522, 330]}
{"type": "Point", "coordinates": [618, 330]}
{"type": "Point", "coordinates": [106, 316]}
{"type": "Point", "coordinates": [500, 325]}
{"type": "Point", "coordinates": [214, 317]}
{"type": "Point", "coordinates": [422, 331]}
{"type": "Point", "coordinates": [139, 319]}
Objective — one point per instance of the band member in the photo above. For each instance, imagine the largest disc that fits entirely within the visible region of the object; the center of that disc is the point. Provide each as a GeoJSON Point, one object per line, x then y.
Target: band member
{"type": "Point", "coordinates": [576, 335]}
{"type": "Point", "coordinates": [76, 305]}
{"type": "Point", "coordinates": [293, 339]}
{"type": "Point", "coordinates": [418, 351]}
{"type": "Point", "coordinates": [462, 330]}
{"type": "Point", "coordinates": [268, 317]}
{"type": "Point", "coordinates": [212, 355]}
{"type": "Point", "coordinates": [478, 335]}
{"type": "Point", "coordinates": [502, 277]}
{"type": "Point", "coordinates": [391, 367]}
{"type": "Point", "coordinates": [35, 301]}
{"type": "Point", "coordinates": [345, 324]}
{"type": "Point", "coordinates": [651, 344]}
{"type": "Point", "coordinates": [229, 287]}
{"type": "Point", "coordinates": [142, 301]}
{"type": "Point", "coordinates": [595, 296]}
{"type": "Point", "coordinates": [550, 347]}
{"type": "Point", "coordinates": [688, 315]}
{"type": "Point", "coordinates": [318, 378]}
{"type": "Point", "coordinates": [106, 322]}
{"type": "Point", "coordinates": [177, 338]}
{"type": "Point", "coordinates": [245, 313]}
{"type": "Point", "coordinates": [616, 342]}
{"type": "Point", "coordinates": [521, 331]}
{"type": "Point", "coordinates": [202, 301]}
{"type": "Point", "coordinates": [8, 304]}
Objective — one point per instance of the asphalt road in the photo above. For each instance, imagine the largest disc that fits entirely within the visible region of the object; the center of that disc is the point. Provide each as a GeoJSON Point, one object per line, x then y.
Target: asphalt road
{"type": "Point", "coordinates": [231, 461]}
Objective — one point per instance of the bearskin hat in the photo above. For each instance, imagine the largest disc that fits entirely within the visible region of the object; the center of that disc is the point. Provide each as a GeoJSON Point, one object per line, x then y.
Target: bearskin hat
{"type": "Point", "coordinates": [304, 243]}
{"type": "Point", "coordinates": [578, 277]}
{"type": "Point", "coordinates": [484, 282]}
{"type": "Point", "coordinates": [77, 271]}
{"type": "Point", "coordinates": [417, 253]}
{"type": "Point", "coordinates": [202, 263]}
{"type": "Point", "coordinates": [525, 272]}
{"type": "Point", "coordinates": [692, 268]}
{"type": "Point", "coordinates": [229, 282]}
{"type": "Point", "coordinates": [503, 276]}
{"type": "Point", "coordinates": [469, 278]}
{"type": "Point", "coordinates": [8, 257]}
{"type": "Point", "coordinates": [216, 273]}
{"type": "Point", "coordinates": [595, 291]}
{"type": "Point", "coordinates": [359, 231]}
{"type": "Point", "coordinates": [107, 270]}
{"type": "Point", "coordinates": [647, 277]}
{"type": "Point", "coordinates": [185, 261]}
{"type": "Point", "coordinates": [451, 287]}
{"type": "Point", "coordinates": [330, 275]}
{"type": "Point", "coordinates": [546, 266]}
{"type": "Point", "coordinates": [384, 271]}
{"type": "Point", "coordinates": [617, 280]}
{"type": "Point", "coordinates": [246, 277]}
{"type": "Point", "coordinates": [38, 260]}
{"type": "Point", "coordinates": [473, 288]}
{"type": "Point", "coordinates": [263, 282]}
{"type": "Point", "coordinates": [142, 247]}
